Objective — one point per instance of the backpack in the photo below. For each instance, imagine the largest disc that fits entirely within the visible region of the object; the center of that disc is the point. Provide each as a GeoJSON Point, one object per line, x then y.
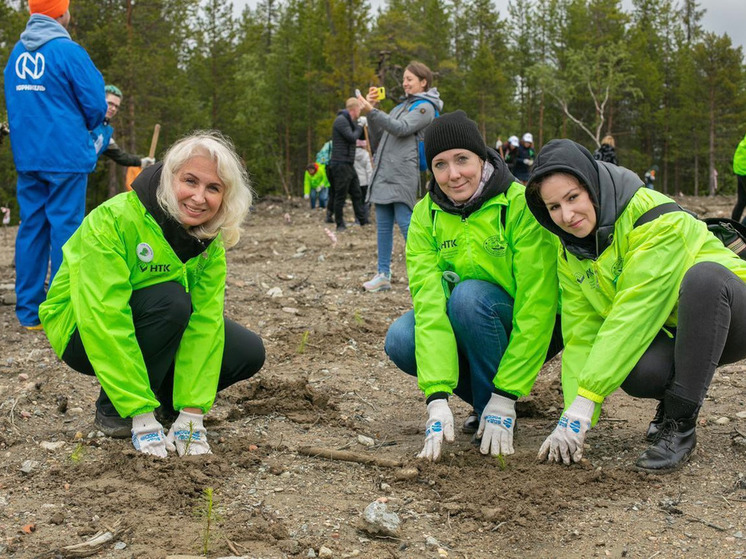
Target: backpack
{"type": "Point", "coordinates": [324, 156]}
{"type": "Point", "coordinates": [421, 135]}
{"type": "Point", "coordinates": [730, 232]}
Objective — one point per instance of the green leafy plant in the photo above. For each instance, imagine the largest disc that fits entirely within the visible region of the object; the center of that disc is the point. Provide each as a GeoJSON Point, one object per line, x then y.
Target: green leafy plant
{"type": "Point", "coordinates": [501, 463]}
{"type": "Point", "coordinates": [303, 342]}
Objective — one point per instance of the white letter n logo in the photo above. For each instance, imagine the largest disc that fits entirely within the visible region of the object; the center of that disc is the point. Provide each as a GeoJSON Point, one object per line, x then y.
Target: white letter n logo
{"type": "Point", "coordinates": [28, 66]}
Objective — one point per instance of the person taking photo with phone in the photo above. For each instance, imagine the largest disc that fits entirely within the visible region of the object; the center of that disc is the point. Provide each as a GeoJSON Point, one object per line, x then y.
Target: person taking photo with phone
{"type": "Point", "coordinates": [396, 169]}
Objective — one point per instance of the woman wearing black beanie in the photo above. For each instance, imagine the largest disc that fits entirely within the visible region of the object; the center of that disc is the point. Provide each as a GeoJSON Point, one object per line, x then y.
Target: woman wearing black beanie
{"type": "Point", "coordinates": [482, 273]}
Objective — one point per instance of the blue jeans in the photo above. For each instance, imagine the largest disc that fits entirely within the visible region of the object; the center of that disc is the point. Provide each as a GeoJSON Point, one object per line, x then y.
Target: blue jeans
{"type": "Point", "coordinates": [52, 206]}
{"type": "Point", "coordinates": [322, 196]}
{"type": "Point", "coordinates": [481, 315]}
{"type": "Point", "coordinates": [386, 214]}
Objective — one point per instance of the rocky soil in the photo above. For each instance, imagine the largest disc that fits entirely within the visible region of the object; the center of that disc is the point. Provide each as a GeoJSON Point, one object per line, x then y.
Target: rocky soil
{"type": "Point", "coordinates": [327, 384]}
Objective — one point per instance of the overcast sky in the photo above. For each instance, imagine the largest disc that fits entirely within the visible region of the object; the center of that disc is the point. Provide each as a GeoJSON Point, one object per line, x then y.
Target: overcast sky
{"type": "Point", "coordinates": [722, 16]}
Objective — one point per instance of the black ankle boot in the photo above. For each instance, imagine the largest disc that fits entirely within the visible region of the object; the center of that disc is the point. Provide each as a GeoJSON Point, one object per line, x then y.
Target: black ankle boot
{"type": "Point", "coordinates": [674, 444]}
{"type": "Point", "coordinates": [655, 424]}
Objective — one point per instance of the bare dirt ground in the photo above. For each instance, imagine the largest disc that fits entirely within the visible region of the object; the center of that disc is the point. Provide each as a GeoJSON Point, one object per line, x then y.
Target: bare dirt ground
{"type": "Point", "coordinates": [326, 382]}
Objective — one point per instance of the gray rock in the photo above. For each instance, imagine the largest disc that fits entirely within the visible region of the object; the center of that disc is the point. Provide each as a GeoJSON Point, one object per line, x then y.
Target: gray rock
{"type": "Point", "coordinates": [378, 520]}
{"type": "Point", "coordinates": [29, 465]}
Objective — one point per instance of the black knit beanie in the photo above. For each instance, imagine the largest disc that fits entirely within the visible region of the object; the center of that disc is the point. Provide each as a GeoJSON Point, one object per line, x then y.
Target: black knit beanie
{"type": "Point", "coordinates": [453, 131]}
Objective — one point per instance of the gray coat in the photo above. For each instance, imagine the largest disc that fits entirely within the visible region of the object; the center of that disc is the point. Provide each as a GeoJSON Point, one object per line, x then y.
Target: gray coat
{"type": "Point", "coordinates": [396, 173]}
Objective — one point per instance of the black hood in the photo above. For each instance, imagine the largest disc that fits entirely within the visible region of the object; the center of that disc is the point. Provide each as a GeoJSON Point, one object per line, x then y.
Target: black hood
{"type": "Point", "coordinates": [498, 183]}
{"type": "Point", "coordinates": [184, 245]}
{"type": "Point", "coordinates": [610, 187]}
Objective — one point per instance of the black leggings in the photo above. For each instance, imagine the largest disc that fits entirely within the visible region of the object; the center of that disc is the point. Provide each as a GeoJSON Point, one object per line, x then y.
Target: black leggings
{"type": "Point", "coordinates": [711, 331]}
{"type": "Point", "coordinates": [741, 200]}
{"type": "Point", "coordinates": [161, 314]}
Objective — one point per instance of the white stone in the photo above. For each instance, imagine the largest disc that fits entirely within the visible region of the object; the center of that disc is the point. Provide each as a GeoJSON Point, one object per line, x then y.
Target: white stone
{"type": "Point", "coordinates": [365, 441]}
{"type": "Point", "coordinates": [722, 420]}
{"type": "Point", "coordinates": [325, 552]}
{"type": "Point", "coordinates": [52, 446]}
{"type": "Point", "coordinates": [274, 292]}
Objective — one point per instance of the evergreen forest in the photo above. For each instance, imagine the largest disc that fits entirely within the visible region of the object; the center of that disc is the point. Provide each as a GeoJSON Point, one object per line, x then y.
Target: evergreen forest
{"type": "Point", "coordinates": [272, 78]}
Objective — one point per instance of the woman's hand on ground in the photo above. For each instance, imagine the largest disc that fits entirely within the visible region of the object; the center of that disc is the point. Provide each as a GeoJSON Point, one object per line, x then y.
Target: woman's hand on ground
{"type": "Point", "coordinates": [565, 444]}
{"type": "Point", "coordinates": [439, 425]}
{"type": "Point", "coordinates": [148, 437]}
{"type": "Point", "coordinates": [496, 426]}
{"type": "Point", "coordinates": [188, 434]}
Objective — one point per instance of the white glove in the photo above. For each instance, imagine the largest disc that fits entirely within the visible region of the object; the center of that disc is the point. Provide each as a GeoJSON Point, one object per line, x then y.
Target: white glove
{"type": "Point", "coordinates": [362, 121]}
{"type": "Point", "coordinates": [496, 426]}
{"type": "Point", "coordinates": [439, 424]}
{"type": "Point", "coordinates": [189, 434]}
{"type": "Point", "coordinates": [148, 437]}
{"type": "Point", "coordinates": [566, 441]}
{"type": "Point", "coordinates": [306, 196]}
{"type": "Point", "coordinates": [146, 162]}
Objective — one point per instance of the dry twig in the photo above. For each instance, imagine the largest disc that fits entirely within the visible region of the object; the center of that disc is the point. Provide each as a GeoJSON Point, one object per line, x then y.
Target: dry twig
{"type": "Point", "coordinates": [348, 456]}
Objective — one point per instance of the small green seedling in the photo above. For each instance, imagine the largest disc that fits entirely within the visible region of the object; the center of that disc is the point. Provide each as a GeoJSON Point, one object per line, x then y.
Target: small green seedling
{"type": "Point", "coordinates": [207, 510]}
{"type": "Point", "coordinates": [303, 342]}
{"type": "Point", "coordinates": [77, 454]}
{"type": "Point", "coordinates": [501, 462]}
{"type": "Point", "coordinates": [188, 443]}
{"type": "Point", "coordinates": [358, 318]}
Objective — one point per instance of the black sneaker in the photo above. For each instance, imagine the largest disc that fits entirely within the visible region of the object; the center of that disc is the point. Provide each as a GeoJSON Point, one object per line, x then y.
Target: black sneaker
{"type": "Point", "coordinates": [165, 416]}
{"type": "Point", "coordinates": [113, 426]}
{"type": "Point", "coordinates": [471, 423]}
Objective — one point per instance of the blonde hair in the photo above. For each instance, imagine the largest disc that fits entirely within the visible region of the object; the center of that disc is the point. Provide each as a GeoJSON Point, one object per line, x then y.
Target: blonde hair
{"type": "Point", "coordinates": [237, 196]}
{"type": "Point", "coordinates": [609, 140]}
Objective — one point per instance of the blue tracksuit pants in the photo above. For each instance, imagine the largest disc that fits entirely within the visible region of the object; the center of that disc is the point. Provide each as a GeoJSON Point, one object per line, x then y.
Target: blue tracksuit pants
{"type": "Point", "coordinates": [52, 206]}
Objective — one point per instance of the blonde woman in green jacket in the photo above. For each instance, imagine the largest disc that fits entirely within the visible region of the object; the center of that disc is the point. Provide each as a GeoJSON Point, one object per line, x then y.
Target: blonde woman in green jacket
{"type": "Point", "coordinates": [482, 274]}
{"type": "Point", "coordinates": [138, 301]}
{"type": "Point", "coordinates": [652, 306]}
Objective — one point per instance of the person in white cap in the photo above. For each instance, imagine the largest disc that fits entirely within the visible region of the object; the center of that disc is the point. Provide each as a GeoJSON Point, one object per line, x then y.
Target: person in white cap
{"type": "Point", "coordinates": [524, 158]}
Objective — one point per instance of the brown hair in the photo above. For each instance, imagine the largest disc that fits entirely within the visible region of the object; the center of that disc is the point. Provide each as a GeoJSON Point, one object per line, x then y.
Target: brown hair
{"type": "Point", "coordinates": [421, 71]}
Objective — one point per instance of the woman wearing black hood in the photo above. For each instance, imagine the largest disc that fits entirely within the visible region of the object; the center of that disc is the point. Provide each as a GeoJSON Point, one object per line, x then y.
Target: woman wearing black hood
{"type": "Point", "coordinates": [652, 307]}
{"type": "Point", "coordinates": [482, 273]}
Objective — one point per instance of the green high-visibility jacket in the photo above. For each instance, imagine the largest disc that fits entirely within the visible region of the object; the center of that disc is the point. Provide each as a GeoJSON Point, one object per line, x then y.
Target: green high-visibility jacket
{"type": "Point", "coordinates": [521, 257]}
{"type": "Point", "coordinates": [739, 158]}
{"type": "Point", "coordinates": [119, 249]}
{"type": "Point", "coordinates": [613, 306]}
{"type": "Point", "coordinates": [317, 180]}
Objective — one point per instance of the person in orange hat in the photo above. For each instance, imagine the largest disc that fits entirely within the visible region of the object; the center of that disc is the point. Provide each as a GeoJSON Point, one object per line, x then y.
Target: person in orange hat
{"type": "Point", "coordinates": [54, 95]}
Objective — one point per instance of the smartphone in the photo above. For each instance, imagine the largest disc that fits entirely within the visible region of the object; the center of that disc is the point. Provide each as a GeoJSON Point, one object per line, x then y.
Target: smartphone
{"type": "Point", "coordinates": [381, 93]}
{"type": "Point", "coordinates": [357, 93]}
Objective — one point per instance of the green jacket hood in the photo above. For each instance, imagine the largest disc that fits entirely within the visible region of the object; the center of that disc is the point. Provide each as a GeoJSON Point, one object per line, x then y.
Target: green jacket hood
{"type": "Point", "coordinates": [498, 183]}
{"type": "Point", "coordinates": [610, 188]}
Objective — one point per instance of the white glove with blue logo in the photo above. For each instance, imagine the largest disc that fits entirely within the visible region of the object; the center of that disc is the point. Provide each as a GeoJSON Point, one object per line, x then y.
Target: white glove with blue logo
{"type": "Point", "coordinates": [438, 426]}
{"type": "Point", "coordinates": [496, 426]}
{"type": "Point", "coordinates": [148, 437]}
{"type": "Point", "coordinates": [566, 441]}
{"type": "Point", "coordinates": [189, 435]}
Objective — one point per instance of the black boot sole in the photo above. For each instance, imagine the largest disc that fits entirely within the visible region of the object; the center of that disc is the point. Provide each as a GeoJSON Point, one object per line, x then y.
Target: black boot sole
{"type": "Point", "coordinates": [680, 464]}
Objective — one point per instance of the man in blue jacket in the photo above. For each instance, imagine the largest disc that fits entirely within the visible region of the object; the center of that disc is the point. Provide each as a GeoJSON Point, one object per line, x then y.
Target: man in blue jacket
{"type": "Point", "coordinates": [54, 96]}
{"type": "Point", "coordinates": [103, 135]}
